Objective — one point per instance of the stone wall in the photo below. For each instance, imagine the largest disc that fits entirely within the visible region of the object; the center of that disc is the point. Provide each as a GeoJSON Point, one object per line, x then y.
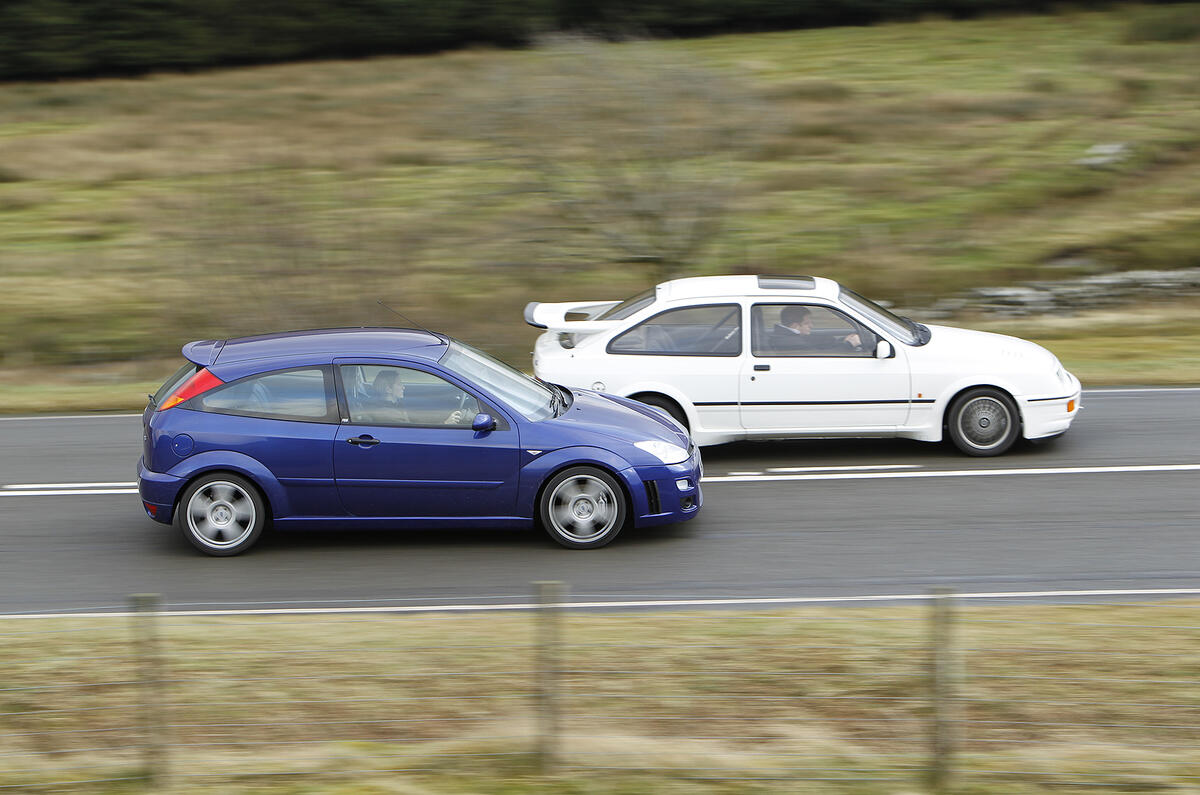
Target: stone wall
{"type": "Point", "coordinates": [1089, 292]}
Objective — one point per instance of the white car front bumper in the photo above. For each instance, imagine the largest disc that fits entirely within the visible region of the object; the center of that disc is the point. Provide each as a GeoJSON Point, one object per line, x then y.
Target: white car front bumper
{"type": "Point", "coordinates": [1049, 416]}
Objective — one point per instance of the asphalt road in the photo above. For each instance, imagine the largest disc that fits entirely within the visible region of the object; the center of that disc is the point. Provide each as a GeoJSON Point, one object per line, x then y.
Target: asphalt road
{"type": "Point", "coordinates": [1111, 505]}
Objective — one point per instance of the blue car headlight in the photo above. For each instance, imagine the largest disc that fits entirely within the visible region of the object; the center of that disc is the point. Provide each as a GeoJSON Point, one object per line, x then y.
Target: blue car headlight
{"type": "Point", "coordinates": [664, 451]}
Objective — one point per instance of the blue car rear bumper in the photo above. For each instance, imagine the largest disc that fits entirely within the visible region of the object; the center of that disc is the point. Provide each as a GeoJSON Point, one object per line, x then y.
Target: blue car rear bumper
{"type": "Point", "coordinates": [158, 492]}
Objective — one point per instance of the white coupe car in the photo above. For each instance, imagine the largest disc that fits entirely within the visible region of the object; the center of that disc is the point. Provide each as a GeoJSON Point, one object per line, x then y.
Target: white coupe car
{"type": "Point", "coordinates": [756, 357]}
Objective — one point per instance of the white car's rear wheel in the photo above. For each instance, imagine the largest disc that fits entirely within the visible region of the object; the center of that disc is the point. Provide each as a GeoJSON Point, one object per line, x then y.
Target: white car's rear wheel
{"type": "Point", "coordinates": [983, 422]}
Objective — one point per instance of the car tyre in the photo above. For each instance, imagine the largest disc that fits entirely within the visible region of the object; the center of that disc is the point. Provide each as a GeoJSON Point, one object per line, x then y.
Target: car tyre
{"type": "Point", "coordinates": [583, 508]}
{"type": "Point", "coordinates": [221, 514]}
{"type": "Point", "coordinates": [983, 422]}
{"type": "Point", "coordinates": [667, 405]}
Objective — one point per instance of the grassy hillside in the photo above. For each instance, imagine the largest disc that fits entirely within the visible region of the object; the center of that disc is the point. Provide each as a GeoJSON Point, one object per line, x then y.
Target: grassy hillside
{"type": "Point", "coordinates": [908, 160]}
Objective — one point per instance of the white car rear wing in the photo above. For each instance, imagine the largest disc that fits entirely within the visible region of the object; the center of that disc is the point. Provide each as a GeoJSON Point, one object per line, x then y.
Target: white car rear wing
{"type": "Point", "coordinates": [554, 316]}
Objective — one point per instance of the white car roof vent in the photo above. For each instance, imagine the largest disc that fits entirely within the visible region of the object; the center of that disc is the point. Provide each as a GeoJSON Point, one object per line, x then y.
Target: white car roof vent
{"type": "Point", "coordinates": [787, 282]}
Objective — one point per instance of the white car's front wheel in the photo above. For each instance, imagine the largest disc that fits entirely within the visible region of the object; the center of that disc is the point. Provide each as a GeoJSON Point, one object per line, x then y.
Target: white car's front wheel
{"type": "Point", "coordinates": [983, 422]}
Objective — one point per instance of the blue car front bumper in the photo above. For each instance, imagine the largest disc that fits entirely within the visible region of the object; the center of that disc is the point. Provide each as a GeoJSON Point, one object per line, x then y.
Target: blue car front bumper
{"type": "Point", "coordinates": [669, 493]}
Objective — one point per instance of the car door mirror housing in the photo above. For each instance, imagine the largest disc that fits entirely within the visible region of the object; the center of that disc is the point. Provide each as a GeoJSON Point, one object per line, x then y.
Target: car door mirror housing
{"type": "Point", "coordinates": [483, 422]}
{"type": "Point", "coordinates": [883, 350]}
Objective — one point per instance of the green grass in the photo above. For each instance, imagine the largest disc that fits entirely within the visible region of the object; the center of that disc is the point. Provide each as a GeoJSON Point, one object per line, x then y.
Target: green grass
{"type": "Point", "coordinates": [910, 161]}
{"type": "Point", "coordinates": [1058, 698]}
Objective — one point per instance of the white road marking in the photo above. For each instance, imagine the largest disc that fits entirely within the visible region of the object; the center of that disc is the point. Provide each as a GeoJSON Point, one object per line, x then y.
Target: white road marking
{"type": "Point", "coordinates": [651, 603]}
{"type": "Point", "coordinates": [780, 475]}
{"type": "Point", "coordinates": [66, 489]}
{"type": "Point", "coordinates": [840, 469]}
{"type": "Point", "coordinates": [62, 492]}
{"type": "Point", "coordinates": [35, 418]}
{"type": "Point", "coordinates": [951, 473]}
{"type": "Point", "coordinates": [123, 485]}
{"type": "Point", "coordinates": [1116, 390]}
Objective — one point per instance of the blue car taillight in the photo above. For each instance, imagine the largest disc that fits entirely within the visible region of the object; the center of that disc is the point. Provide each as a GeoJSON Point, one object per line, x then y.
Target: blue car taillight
{"type": "Point", "coordinates": [198, 384]}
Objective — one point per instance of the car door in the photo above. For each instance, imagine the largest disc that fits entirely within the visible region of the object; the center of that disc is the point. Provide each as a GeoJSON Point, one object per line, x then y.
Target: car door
{"type": "Point", "coordinates": [696, 349]}
{"type": "Point", "coordinates": [414, 458]}
{"type": "Point", "coordinates": [816, 380]}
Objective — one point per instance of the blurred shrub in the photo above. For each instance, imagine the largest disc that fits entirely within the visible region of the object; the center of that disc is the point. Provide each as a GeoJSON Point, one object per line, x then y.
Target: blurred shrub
{"type": "Point", "coordinates": [51, 38]}
{"type": "Point", "coordinates": [1168, 24]}
{"type": "Point", "coordinates": [42, 39]}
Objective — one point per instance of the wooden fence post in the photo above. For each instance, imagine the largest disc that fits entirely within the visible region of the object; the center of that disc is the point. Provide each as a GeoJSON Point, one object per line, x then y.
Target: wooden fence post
{"type": "Point", "coordinates": [944, 684]}
{"type": "Point", "coordinates": [549, 615]}
{"type": "Point", "coordinates": [151, 686]}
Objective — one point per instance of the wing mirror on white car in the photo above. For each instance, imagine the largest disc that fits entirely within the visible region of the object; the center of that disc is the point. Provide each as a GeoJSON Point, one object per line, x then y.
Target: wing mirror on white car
{"type": "Point", "coordinates": [883, 350]}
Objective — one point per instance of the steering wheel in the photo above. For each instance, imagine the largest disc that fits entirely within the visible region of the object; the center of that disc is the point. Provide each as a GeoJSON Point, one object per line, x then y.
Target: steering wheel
{"type": "Point", "coordinates": [863, 336]}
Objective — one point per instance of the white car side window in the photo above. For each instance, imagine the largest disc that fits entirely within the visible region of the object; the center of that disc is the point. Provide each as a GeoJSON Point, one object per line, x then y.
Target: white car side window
{"type": "Point", "coordinates": [714, 330]}
{"type": "Point", "coordinates": [807, 330]}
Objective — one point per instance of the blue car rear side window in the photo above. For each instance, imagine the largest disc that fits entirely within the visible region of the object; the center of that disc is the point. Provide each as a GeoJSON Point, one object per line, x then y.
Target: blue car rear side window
{"type": "Point", "coordinates": [304, 394]}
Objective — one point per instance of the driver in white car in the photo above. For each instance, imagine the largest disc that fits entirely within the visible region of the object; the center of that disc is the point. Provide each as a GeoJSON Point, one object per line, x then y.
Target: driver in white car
{"type": "Point", "coordinates": [793, 332]}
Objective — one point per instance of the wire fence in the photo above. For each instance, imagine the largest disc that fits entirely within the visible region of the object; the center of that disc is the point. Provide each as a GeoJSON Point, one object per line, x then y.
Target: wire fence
{"type": "Point", "coordinates": [933, 695]}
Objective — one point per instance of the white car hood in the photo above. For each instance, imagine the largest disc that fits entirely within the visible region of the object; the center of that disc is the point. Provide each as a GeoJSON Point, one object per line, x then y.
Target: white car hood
{"type": "Point", "coordinates": [979, 347]}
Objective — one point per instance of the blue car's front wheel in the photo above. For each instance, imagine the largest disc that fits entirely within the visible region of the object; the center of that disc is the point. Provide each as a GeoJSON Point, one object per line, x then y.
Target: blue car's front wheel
{"type": "Point", "coordinates": [583, 508]}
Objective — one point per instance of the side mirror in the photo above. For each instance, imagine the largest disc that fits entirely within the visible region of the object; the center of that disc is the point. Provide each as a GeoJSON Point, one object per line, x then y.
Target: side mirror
{"type": "Point", "coordinates": [883, 350]}
{"type": "Point", "coordinates": [483, 423]}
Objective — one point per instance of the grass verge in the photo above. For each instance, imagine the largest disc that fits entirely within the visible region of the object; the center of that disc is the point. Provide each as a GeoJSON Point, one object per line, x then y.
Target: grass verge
{"type": "Point", "coordinates": [1067, 697]}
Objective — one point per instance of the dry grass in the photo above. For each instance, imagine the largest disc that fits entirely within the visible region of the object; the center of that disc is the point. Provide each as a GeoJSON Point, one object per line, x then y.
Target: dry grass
{"type": "Point", "coordinates": [1065, 697]}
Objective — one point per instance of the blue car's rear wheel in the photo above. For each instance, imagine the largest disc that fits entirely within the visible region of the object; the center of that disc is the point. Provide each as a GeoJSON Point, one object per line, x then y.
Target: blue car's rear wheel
{"type": "Point", "coordinates": [221, 514]}
{"type": "Point", "coordinates": [583, 508]}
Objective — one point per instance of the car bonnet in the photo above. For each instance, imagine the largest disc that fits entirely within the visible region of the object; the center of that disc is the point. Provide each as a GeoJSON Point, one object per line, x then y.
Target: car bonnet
{"type": "Point", "coordinates": [982, 346]}
{"type": "Point", "coordinates": [619, 419]}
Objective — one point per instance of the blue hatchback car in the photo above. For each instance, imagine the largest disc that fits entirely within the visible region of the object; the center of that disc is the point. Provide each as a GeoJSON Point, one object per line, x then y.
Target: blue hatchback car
{"type": "Point", "coordinates": [399, 428]}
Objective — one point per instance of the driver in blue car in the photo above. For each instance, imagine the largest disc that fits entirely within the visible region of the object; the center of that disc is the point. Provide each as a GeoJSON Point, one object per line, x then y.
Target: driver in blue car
{"type": "Point", "coordinates": [387, 393]}
{"type": "Point", "coordinates": [794, 329]}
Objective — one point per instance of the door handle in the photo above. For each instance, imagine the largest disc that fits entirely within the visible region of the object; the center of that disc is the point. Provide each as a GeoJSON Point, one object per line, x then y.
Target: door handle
{"type": "Point", "coordinates": [366, 440]}
{"type": "Point", "coordinates": [762, 367]}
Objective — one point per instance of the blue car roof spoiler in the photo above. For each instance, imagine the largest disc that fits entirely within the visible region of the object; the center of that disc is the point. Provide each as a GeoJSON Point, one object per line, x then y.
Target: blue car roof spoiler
{"type": "Point", "coordinates": [203, 352]}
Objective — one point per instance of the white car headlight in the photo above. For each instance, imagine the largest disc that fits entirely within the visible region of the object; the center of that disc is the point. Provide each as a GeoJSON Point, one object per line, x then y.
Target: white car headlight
{"type": "Point", "coordinates": [664, 451]}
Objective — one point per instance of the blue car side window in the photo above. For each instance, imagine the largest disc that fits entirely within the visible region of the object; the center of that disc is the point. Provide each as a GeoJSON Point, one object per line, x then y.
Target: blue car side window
{"type": "Point", "coordinates": [387, 395]}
